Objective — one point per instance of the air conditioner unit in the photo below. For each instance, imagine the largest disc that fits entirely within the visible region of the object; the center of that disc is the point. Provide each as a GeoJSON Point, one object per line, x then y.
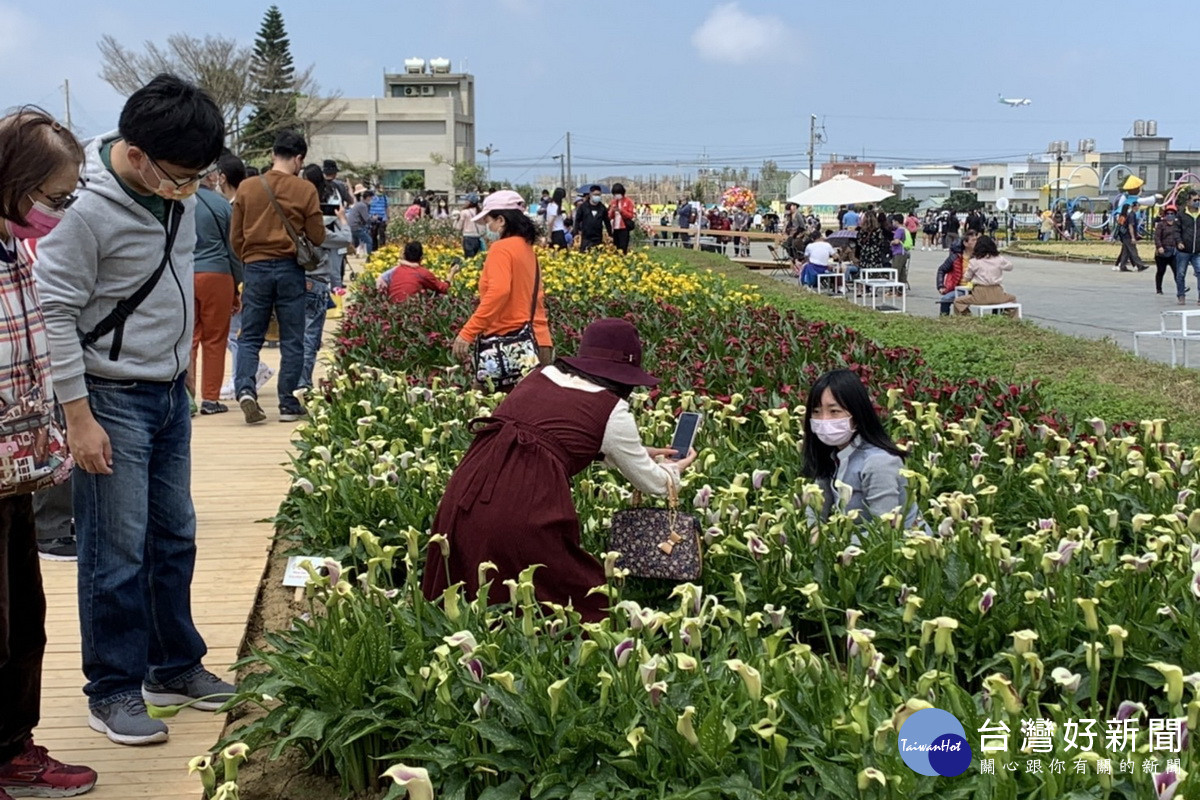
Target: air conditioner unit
{"type": "Point", "coordinates": [428, 91]}
{"type": "Point", "coordinates": [412, 91]}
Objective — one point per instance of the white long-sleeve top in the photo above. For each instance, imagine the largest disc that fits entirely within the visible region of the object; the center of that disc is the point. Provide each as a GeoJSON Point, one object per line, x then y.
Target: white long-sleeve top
{"type": "Point", "coordinates": [988, 271]}
{"type": "Point", "coordinates": [622, 444]}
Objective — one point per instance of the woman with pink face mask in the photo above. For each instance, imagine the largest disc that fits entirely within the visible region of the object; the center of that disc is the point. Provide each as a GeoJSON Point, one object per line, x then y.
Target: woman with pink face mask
{"type": "Point", "coordinates": [844, 442]}
{"type": "Point", "coordinates": [40, 163]}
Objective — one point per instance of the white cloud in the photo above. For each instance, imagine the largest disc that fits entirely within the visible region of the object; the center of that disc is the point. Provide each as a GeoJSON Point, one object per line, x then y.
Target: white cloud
{"type": "Point", "coordinates": [732, 36]}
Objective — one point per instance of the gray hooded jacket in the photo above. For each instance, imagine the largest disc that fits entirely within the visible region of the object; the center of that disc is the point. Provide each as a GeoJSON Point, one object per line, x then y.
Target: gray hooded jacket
{"type": "Point", "coordinates": [106, 247]}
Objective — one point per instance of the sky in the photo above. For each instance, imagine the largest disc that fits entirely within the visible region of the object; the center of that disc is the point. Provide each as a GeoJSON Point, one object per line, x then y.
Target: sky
{"type": "Point", "coordinates": [660, 86]}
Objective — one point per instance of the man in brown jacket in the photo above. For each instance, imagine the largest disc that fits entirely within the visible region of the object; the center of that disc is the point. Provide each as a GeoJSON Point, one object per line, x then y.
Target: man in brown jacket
{"type": "Point", "coordinates": [273, 279]}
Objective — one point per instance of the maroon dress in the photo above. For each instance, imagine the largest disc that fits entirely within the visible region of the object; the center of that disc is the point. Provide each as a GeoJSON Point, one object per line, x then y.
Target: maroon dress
{"type": "Point", "coordinates": [509, 500]}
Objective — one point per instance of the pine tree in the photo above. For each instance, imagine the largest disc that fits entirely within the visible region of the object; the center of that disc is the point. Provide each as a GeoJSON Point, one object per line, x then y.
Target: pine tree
{"type": "Point", "coordinates": [273, 75]}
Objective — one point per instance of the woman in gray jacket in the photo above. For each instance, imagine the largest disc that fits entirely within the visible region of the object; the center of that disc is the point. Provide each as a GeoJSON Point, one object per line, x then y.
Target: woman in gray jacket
{"type": "Point", "coordinates": [844, 442]}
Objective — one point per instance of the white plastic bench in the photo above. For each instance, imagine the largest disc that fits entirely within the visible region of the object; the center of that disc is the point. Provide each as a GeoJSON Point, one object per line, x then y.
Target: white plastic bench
{"type": "Point", "coordinates": [996, 307]}
{"type": "Point", "coordinates": [1173, 336]}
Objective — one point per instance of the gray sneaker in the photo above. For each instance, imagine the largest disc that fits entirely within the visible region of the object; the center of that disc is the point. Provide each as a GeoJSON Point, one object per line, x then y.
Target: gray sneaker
{"type": "Point", "coordinates": [202, 691]}
{"type": "Point", "coordinates": [125, 721]}
{"type": "Point", "coordinates": [251, 409]}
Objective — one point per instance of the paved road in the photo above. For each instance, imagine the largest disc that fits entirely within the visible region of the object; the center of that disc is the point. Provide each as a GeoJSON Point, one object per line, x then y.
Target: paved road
{"type": "Point", "coordinates": [1088, 300]}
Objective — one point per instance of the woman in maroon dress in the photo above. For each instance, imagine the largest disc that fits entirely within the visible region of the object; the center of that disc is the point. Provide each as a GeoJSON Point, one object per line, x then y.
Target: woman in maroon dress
{"type": "Point", "coordinates": [509, 502]}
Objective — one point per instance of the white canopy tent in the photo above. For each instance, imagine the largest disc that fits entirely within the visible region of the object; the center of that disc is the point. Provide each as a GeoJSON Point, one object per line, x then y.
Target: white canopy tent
{"type": "Point", "coordinates": [839, 190]}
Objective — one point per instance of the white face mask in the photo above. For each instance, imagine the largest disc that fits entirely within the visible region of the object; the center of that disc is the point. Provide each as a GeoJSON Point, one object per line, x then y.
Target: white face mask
{"type": "Point", "coordinates": [833, 432]}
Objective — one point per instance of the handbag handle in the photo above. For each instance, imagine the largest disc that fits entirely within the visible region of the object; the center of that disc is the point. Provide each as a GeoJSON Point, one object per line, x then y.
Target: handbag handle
{"type": "Point", "coordinates": [673, 536]}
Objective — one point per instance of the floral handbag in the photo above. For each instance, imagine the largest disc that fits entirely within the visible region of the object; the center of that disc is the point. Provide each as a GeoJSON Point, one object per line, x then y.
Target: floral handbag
{"type": "Point", "coordinates": [657, 542]}
{"type": "Point", "coordinates": [503, 359]}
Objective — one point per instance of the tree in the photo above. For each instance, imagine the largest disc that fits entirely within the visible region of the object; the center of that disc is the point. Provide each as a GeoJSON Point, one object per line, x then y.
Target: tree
{"type": "Point", "coordinates": [223, 68]}
{"type": "Point", "coordinates": [772, 182]}
{"type": "Point", "coordinates": [899, 205]}
{"type": "Point", "coordinates": [962, 200]}
{"type": "Point", "coordinates": [217, 64]}
{"type": "Point", "coordinates": [413, 181]}
{"type": "Point", "coordinates": [465, 176]}
{"type": "Point", "coordinates": [273, 74]}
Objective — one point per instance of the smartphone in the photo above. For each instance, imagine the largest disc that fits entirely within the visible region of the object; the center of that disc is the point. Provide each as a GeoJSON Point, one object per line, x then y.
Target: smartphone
{"type": "Point", "coordinates": [685, 433]}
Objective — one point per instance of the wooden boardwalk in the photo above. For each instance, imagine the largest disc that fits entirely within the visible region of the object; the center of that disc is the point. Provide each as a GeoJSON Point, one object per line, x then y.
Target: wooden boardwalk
{"type": "Point", "coordinates": [237, 479]}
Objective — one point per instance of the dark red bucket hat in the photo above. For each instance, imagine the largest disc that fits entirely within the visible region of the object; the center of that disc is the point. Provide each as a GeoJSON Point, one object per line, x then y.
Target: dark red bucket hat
{"type": "Point", "coordinates": [612, 349]}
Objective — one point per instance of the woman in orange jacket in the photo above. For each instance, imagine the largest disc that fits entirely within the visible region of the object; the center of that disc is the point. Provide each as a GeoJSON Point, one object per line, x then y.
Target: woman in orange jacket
{"type": "Point", "coordinates": [506, 283]}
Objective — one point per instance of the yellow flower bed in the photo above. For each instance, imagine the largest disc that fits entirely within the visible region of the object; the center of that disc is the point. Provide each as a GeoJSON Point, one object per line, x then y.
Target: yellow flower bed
{"type": "Point", "coordinates": [602, 272]}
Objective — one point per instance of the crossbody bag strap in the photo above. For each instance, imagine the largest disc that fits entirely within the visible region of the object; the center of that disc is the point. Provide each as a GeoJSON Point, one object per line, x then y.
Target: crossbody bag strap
{"type": "Point", "coordinates": [537, 281]}
{"type": "Point", "coordinates": [287, 223]}
{"type": "Point", "coordinates": [115, 321]}
{"type": "Point", "coordinates": [37, 375]}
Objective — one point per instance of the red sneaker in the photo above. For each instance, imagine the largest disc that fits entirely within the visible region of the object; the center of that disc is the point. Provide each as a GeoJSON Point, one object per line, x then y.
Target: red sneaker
{"type": "Point", "coordinates": [34, 773]}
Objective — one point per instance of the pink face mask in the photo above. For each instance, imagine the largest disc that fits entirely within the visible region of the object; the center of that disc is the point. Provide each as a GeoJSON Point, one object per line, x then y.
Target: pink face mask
{"type": "Point", "coordinates": [39, 220]}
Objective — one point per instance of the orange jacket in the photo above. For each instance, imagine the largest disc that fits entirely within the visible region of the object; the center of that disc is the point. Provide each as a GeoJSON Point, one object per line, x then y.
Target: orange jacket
{"type": "Point", "coordinates": [505, 289]}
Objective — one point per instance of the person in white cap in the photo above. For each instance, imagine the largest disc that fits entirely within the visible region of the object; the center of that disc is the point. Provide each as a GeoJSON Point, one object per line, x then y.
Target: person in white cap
{"type": "Point", "coordinates": [507, 282]}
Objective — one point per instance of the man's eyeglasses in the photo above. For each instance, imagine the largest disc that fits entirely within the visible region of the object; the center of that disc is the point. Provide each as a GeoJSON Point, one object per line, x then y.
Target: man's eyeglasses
{"type": "Point", "coordinates": [199, 176]}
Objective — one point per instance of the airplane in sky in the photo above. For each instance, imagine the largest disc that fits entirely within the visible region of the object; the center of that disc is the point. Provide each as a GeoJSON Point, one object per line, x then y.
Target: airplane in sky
{"type": "Point", "coordinates": [1013, 102]}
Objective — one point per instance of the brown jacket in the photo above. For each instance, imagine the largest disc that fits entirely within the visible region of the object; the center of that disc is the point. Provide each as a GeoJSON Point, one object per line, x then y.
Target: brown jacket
{"type": "Point", "coordinates": [257, 233]}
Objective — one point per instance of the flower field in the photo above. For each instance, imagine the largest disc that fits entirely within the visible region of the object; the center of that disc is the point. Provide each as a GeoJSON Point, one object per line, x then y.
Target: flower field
{"type": "Point", "coordinates": [1057, 579]}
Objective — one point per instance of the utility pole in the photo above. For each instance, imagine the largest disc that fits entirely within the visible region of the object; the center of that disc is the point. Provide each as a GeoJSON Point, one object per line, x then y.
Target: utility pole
{"type": "Point", "coordinates": [67, 92]}
{"type": "Point", "coordinates": [487, 151]}
{"type": "Point", "coordinates": [570, 173]}
{"type": "Point", "coordinates": [812, 145]}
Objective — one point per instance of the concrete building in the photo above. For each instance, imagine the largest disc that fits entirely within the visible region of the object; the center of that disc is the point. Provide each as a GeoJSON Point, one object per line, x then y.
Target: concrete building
{"type": "Point", "coordinates": [863, 171]}
{"type": "Point", "coordinates": [423, 111]}
{"type": "Point", "coordinates": [1032, 184]}
{"type": "Point", "coordinates": [1150, 157]}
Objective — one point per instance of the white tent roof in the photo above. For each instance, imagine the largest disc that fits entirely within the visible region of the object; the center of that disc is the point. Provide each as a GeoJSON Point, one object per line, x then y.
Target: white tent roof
{"type": "Point", "coordinates": [839, 190]}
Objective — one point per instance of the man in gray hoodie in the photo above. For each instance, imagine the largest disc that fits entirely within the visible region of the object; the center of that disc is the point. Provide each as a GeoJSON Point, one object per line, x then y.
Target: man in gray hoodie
{"type": "Point", "coordinates": [115, 278]}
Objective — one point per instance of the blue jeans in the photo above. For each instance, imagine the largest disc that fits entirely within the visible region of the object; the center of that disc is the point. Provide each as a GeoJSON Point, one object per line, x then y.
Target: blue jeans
{"type": "Point", "coordinates": [274, 285]}
{"type": "Point", "coordinates": [947, 300]}
{"type": "Point", "coordinates": [362, 236]}
{"type": "Point", "coordinates": [316, 305]}
{"type": "Point", "coordinates": [1182, 260]}
{"type": "Point", "coordinates": [136, 533]}
{"type": "Point", "coordinates": [471, 246]}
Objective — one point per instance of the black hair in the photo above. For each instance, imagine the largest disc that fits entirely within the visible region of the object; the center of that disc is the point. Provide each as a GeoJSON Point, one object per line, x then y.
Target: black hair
{"type": "Point", "coordinates": [174, 122]}
{"type": "Point", "coordinates": [313, 174]}
{"type": "Point", "coordinates": [289, 144]}
{"type": "Point", "coordinates": [233, 168]}
{"type": "Point", "coordinates": [559, 195]}
{"type": "Point", "coordinates": [850, 394]}
{"type": "Point", "coordinates": [595, 187]}
{"type": "Point", "coordinates": [365, 194]}
{"type": "Point", "coordinates": [828, 232]}
{"type": "Point", "coordinates": [621, 390]}
{"type": "Point", "coordinates": [985, 246]}
{"type": "Point", "coordinates": [329, 167]}
{"type": "Point", "coordinates": [618, 188]}
{"type": "Point", "coordinates": [516, 223]}
{"type": "Point", "coordinates": [414, 252]}
{"type": "Point", "coordinates": [252, 172]}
